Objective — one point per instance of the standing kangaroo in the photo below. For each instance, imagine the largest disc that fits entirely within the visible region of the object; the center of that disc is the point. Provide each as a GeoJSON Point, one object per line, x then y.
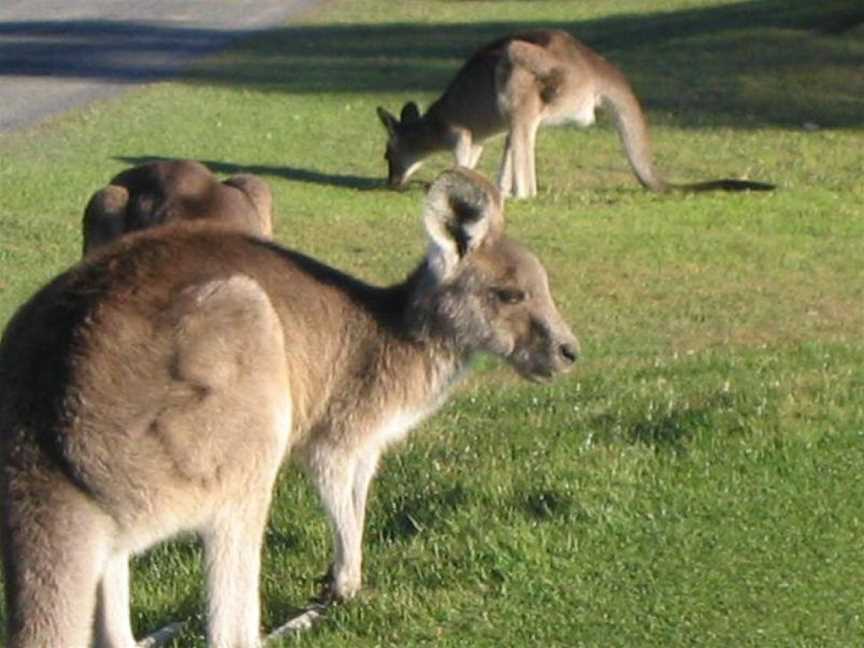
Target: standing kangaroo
{"type": "Point", "coordinates": [165, 192]}
{"type": "Point", "coordinates": [515, 85]}
{"type": "Point", "coordinates": [157, 388]}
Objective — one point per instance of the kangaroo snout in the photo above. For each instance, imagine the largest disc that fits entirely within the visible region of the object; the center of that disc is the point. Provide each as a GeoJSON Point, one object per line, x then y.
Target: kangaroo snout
{"type": "Point", "coordinates": [550, 351]}
{"type": "Point", "coordinates": [569, 352]}
{"type": "Point", "coordinates": [565, 351]}
{"type": "Point", "coordinates": [396, 181]}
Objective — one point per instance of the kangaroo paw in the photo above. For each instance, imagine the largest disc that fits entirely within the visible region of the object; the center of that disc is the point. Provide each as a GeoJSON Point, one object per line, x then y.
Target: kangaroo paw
{"type": "Point", "coordinates": [307, 617]}
{"type": "Point", "coordinates": [162, 636]}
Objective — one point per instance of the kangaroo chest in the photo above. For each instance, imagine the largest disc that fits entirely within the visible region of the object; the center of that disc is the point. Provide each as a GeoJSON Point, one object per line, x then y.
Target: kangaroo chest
{"type": "Point", "coordinates": [577, 109]}
{"type": "Point", "coordinates": [394, 427]}
{"type": "Point", "coordinates": [394, 423]}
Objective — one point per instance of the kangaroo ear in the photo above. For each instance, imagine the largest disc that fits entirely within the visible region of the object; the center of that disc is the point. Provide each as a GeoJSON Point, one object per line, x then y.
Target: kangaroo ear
{"type": "Point", "coordinates": [410, 113]}
{"type": "Point", "coordinates": [259, 194]}
{"type": "Point", "coordinates": [105, 216]}
{"type": "Point", "coordinates": [462, 211]}
{"type": "Point", "coordinates": [389, 121]}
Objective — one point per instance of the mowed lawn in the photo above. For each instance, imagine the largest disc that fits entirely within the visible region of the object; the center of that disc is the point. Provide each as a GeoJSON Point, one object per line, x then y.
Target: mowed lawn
{"type": "Point", "coordinates": [697, 481]}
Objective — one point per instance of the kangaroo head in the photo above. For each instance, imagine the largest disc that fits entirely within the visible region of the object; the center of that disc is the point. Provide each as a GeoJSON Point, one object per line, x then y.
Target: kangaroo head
{"type": "Point", "coordinates": [486, 292]}
{"type": "Point", "coordinates": [408, 143]}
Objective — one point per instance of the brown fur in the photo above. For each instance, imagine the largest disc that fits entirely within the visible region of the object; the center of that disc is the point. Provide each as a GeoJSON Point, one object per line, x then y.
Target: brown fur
{"type": "Point", "coordinates": [514, 85]}
{"type": "Point", "coordinates": [165, 192]}
{"type": "Point", "coordinates": [156, 388]}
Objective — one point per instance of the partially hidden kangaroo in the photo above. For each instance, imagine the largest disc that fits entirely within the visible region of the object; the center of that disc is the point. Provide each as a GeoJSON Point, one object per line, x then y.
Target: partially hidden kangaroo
{"type": "Point", "coordinates": [156, 388]}
{"type": "Point", "coordinates": [514, 85]}
{"type": "Point", "coordinates": [165, 192]}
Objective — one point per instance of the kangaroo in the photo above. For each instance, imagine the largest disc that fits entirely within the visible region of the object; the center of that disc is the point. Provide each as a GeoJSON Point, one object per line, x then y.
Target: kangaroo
{"type": "Point", "coordinates": [514, 85]}
{"type": "Point", "coordinates": [168, 191]}
{"type": "Point", "coordinates": [156, 388]}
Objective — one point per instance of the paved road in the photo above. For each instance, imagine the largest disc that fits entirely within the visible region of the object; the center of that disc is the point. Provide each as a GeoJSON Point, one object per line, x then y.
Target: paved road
{"type": "Point", "coordinates": [59, 54]}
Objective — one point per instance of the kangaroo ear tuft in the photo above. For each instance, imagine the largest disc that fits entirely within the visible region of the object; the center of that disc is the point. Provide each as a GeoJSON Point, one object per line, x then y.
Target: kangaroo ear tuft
{"type": "Point", "coordinates": [389, 121]}
{"type": "Point", "coordinates": [462, 211]}
{"type": "Point", "coordinates": [410, 113]}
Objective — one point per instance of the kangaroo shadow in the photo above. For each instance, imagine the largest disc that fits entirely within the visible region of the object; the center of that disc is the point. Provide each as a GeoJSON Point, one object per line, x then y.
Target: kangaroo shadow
{"type": "Point", "coordinates": [407, 517]}
{"type": "Point", "coordinates": [667, 433]}
{"type": "Point", "coordinates": [670, 430]}
{"type": "Point", "coordinates": [295, 174]}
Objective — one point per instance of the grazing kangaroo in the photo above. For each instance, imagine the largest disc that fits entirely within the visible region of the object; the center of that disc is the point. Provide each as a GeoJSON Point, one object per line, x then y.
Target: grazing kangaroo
{"type": "Point", "coordinates": [157, 387]}
{"type": "Point", "coordinates": [165, 192]}
{"type": "Point", "coordinates": [515, 85]}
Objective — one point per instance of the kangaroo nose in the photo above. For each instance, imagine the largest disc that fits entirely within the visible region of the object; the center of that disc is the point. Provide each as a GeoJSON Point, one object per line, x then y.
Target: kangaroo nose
{"type": "Point", "coordinates": [569, 351]}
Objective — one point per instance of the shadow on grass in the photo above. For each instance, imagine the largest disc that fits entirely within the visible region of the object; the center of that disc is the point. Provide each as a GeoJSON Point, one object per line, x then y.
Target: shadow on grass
{"type": "Point", "coordinates": [410, 516]}
{"type": "Point", "coordinates": [726, 65]}
{"type": "Point", "coordinates": [548, 504]}
{"type": "Point", "coordinates": [671, 430]}
{"type": "Point", "coordinates": [295, 174]}
{"type": "Point", "coordinates": [668, 432]}
{"type": "Point", "coordinates": [118, 51]}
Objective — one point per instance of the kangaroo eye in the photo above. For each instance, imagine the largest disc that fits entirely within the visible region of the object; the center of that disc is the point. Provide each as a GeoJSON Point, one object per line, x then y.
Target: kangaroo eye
{"type": "Point", "coordinates": [509, 295]}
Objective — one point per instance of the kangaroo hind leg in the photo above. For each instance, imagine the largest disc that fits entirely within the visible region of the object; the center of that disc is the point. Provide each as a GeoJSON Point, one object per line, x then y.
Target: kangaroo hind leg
{"type": "Point", "coordinates": [230, 340]}
{"type": "Point", "coordinates": [54, 553]}
{"type": "Point", "coordinates": [112, 626]}
{"type": "Point", "coordinates": [522, 107]}
{"type": "Point", "coordinates": [522, 140]}
{"type": "Point", "coordinates": [505, 172]}
{"type": "Point", "coordinates": [232, 548]}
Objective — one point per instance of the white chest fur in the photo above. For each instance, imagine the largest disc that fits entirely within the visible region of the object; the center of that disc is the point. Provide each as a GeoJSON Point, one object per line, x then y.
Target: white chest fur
{"type": "Point", "coordinates": [578, 110]}
{"type": "Point", "coordinates": [395, 427]}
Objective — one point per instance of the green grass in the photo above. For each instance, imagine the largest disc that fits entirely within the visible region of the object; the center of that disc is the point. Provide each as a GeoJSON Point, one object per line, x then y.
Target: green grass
{"type": "Point", "coordinates": [698, 480]}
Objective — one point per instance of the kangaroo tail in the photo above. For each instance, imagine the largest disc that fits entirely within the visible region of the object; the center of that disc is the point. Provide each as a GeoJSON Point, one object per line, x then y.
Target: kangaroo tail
{"type": "Point", "coordinates": [617, 95]}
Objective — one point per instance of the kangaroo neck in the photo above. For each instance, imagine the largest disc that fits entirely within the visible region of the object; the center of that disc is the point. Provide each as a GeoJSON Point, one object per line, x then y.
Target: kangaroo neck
{"type": "Point", "coordinates": [371, 348]}
{"type": "Point", "coordinates": [385, 357]}
{"type": "Point", "coordinates": [409, 322]}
